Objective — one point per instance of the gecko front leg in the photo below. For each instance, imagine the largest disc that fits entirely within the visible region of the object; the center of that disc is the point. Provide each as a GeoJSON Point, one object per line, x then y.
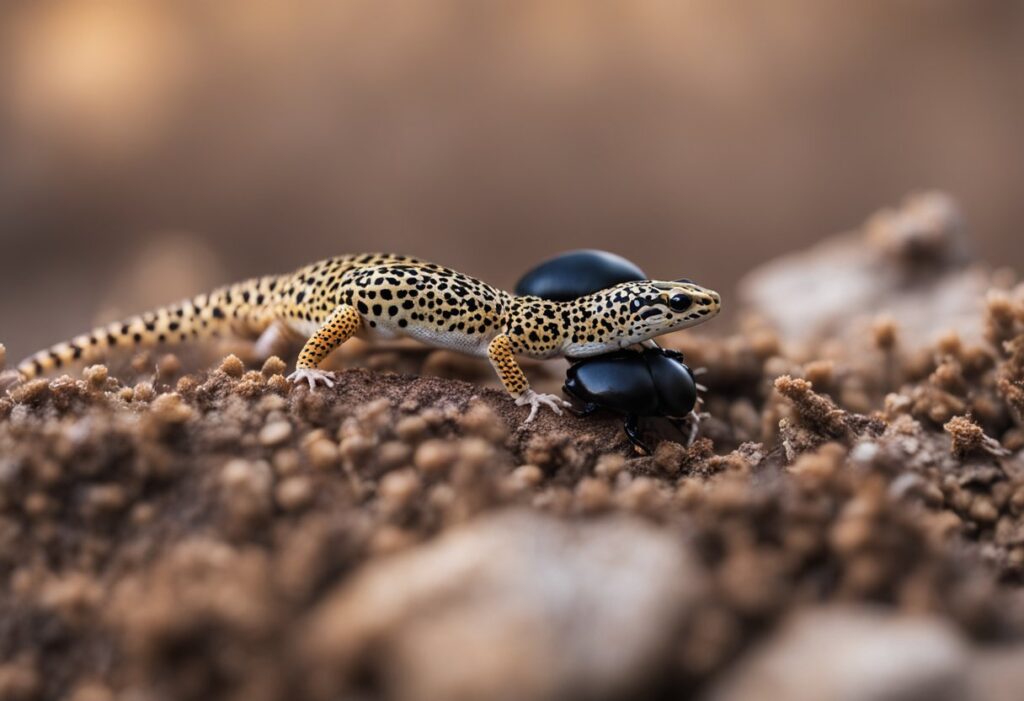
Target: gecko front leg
{"type": "Point", "coordinates": [340, 326]}
{"type": "Point", "coordinates": [503, 359]}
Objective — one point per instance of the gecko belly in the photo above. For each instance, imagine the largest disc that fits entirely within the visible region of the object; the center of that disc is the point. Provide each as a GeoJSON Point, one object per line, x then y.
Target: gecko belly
{"type": "Point", "coordinates": [438, 338]}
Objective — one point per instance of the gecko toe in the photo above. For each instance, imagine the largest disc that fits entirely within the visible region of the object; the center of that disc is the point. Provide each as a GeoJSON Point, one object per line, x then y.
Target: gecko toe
{"type": "Point", "coordinates": [312, 377]}
{"type": "Point", "coordinates": [535, 401]}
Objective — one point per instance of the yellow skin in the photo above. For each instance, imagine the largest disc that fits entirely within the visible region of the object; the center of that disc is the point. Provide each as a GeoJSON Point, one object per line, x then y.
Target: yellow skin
{"type": "Point", "coordinates": [386, 296]}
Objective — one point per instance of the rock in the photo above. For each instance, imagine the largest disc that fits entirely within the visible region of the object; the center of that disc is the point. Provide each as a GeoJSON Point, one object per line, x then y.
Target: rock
{"type": "Point", "coordinates": [853, 653]}
{"type": "Point", "coordinates": [998, 675]}
{"type": "Point", "coordinates": [275, 433]}
{"type": "Point", "coordinates": [907, 264]}
{"type": "Point", "coordinates": [514, 606]}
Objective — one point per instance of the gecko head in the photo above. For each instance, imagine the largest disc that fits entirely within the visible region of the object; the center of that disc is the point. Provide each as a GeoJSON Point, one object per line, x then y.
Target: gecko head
{"type": "Point", "coordinates": [638, 311]}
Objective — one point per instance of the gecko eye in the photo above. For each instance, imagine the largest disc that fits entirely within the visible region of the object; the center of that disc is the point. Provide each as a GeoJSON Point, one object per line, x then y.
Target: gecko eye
{"type": "Point", "coordinates": [680, 302]}
{"type": "Point", "coordinates": [687, 280]}
{"type": "Point", "coordinates": [636, 305]}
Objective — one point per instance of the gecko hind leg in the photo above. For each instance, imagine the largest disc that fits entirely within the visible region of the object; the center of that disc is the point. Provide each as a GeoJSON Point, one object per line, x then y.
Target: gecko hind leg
{"type": "Point", "coordinates": [274, 340]}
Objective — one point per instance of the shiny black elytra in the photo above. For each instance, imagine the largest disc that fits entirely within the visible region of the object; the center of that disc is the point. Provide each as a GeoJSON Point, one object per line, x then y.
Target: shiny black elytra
{"type": "Point", "coordinates": [651, 382]}
{"type": "Point", "coordinates": [576, 274]}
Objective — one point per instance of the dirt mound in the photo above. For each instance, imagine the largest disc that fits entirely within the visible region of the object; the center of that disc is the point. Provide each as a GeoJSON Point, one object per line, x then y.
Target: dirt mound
{"type": "Point", "coordinates": [222, 534]}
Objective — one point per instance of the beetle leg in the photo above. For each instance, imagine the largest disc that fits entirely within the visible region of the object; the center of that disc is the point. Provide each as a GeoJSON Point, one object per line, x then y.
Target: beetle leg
{"type": "Point", "coordinates": [694, 427]}
{"type": "Point", "coordinates": [585, 410]}
{"type": "Point", "coordinates": [632, 427]}
{"type": "Point", "coordinates": [689, 426]}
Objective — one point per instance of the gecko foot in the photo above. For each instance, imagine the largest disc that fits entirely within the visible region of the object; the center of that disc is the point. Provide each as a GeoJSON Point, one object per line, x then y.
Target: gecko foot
{"type": "Point", "coordinates": [535, 400]}
{"type": "Point", "coordinates": [312, 376]}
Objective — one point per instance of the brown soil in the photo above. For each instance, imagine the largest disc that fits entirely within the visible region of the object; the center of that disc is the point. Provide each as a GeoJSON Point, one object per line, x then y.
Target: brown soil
{"type": "Point", "coordinates": [221, 534]}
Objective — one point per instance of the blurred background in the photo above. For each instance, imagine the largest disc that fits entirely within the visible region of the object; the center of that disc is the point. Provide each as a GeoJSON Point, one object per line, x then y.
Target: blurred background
{"type": "Point", "coordinates": [150, 150]}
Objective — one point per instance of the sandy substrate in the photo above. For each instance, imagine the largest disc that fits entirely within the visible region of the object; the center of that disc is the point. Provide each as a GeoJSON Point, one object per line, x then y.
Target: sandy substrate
{"type": "Point", "coordinates": [850, 523]}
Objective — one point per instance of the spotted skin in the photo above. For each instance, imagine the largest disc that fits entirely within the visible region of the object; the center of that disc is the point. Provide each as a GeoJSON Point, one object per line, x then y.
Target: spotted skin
{"type": "Point", "coordinates": [387, 296]}
{"type": "Point", "coordinates": [503, 359]}
{"type": "Point", "coordinates": [340, 326]}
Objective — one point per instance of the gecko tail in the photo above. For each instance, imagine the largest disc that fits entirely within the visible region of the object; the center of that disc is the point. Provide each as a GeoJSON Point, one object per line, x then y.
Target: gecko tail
{"type": "Point", "coordinates": [243, 308]}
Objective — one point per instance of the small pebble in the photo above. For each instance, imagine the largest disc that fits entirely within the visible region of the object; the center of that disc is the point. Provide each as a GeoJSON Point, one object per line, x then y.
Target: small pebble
{"type": "Point", "coordinates": [983, 510]}
{"type": "Point", "coordinates": [275, 433]}
{"type": "Point", "coordinates": [394, 454]}
{"type": "Point", "coordinates": [475, 451]}
{"type": "Point", "coordinates": [322, 454]}
{"type": "Point", "coordinates": [593, 494]}
{"type": "Point", "coordinates": [411, 428]}
{"type": "Point", "coordinates": [286, 461]}
{"type": "Point", "coordinates": [106, 498]}
{"type": "Point", "coordinates": [170, 408]}
{"type": "Point", "coordinates": [376, 413]}
{"type": "Point", "coordinates": [142, 513]}
{"type": "Point", "coordinates": [186, 385]}
{"type": "Point", "coordinates": [168, 367]}
{"type": "Point", "coordinates": [480, 420]}
{"type": "Point", "coordinates": [609, 465]}
{"type": "Point", "coordinates": [92, 691]}
{"type": "Point", "coordinates": [232, 366]}
{"type": "Point", "coordinates": [253, 477]}
{"type": "Point", "coordinates": [434, 456]}
{"type": "Point", "coordinates": [143, 392]}
{"type": "Point", "coordinates": [273, 366]}
{"type": "Point", "coordinates": [279, 384]}
{"type": "Point", "coordinates": [294, 493]}
{"type": "Point", "coordinates": [272, 402]}
{"type": "Point", "coordinates": [527, 476]}
{"type": "Point", "coordinates": [354, 446]}
{"type": "Point", "coordinates": [37, 504]}
{"type": "Point", "coordinates": [433, 416]}
{"type": "Point", "coordinates": [399, 487]}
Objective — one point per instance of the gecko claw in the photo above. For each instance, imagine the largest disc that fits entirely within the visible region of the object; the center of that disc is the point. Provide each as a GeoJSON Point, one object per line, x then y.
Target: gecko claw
{"type": "Point", "coordinates": [535, 400]}
{"type": "Point", "coordinates": [312, 377]}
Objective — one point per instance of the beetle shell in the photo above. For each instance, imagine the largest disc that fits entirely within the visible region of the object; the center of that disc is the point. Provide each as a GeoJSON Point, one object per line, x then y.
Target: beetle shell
{"type": "Point", "coordinates": [674, 383]}
{"type": "Point", "coordinates": [649, 383]}
{"type": "Point", "coordinates": [577, 273]}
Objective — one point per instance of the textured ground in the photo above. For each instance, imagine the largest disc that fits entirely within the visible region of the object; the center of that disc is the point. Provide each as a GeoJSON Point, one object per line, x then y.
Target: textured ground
{"type": "Point", "coordinates": [851, 521]}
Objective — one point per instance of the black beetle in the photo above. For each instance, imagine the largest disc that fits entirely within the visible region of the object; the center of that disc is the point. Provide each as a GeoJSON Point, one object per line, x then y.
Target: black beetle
{"type": "Point", "coordinates": [647, 383]}
{"type": "Point", "coordinates": [577, 273]}
{"type": "Point", "coordinates": [653, 382]}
